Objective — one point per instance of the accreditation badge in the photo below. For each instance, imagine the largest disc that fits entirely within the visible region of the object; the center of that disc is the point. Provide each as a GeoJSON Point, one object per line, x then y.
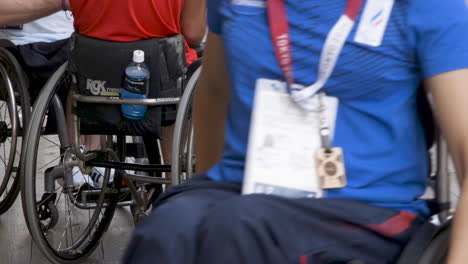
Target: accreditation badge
{"type": "Point", "coordinates": [283, 142]}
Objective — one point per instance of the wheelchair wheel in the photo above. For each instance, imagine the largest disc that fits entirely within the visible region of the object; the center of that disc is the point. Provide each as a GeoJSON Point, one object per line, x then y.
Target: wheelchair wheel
{"type": "Point", "coordinates": [14, 103]}
{"type": "Point", "coordinates": [436, 252]}
{"type": "Point", "coordinates": [65, 222]}
{"type": "Point", "coordinates": [183, 158]}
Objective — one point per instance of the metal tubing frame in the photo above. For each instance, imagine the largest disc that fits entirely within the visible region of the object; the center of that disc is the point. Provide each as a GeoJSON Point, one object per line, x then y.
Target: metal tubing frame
{"type": "Point", "coordinates": [179, 125]}
{"type": "Point", "coordinates": [50, 176]}
{"type": "Point", "coordinates": [62, 129]}
{"type": "Point", "coordinates": [442, 187]}
{"type": "Point", "coordinates": [146, 179]}
{"type": "Point", "coordinates": [129, 166]}
{"type": "Point", "coordinates": [190, 152]}
{"type": "Point", "coordinates": [118, 100]}
{"type": "Point", "coordinates": [86, 205]}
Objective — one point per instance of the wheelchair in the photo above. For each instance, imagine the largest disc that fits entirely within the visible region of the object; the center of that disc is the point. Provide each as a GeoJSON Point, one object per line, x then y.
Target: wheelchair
{"type": "Point", "coordinates": [18, 89]}
{"type": "Point", "coordinates": [67, 221]}
{"type": "Point", "coordinates": [15, 109]}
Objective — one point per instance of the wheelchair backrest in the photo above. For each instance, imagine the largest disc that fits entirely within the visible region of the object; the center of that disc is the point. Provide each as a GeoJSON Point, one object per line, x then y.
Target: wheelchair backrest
{"type": "Point", "coordinates": [95, 61]}
{"type": "Point", "coordinates": [98, 67]}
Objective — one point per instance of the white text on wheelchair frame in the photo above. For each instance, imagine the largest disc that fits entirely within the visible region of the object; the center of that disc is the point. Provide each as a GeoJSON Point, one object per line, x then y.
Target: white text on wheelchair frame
{"type": "Point", "coordinates": [98, 87]}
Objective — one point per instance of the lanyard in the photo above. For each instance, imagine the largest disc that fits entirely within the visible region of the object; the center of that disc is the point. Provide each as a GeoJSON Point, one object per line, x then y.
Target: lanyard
{"type": "Point", "coordinates": [334, 43]}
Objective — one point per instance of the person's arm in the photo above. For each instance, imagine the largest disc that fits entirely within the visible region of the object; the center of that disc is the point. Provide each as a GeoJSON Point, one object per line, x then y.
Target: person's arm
{"type": "Point", "coordinates": [13, 12]}
{"type": "Point", "coordinates": [450, 92]}
{"type": "Point", "coordinates": [193, 21]}
{"type": "Point", "coordinates": [210, 105]}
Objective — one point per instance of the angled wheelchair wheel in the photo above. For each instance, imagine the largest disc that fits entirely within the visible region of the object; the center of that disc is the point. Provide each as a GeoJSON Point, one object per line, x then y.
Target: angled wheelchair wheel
{"type": "Point", "coordinates": [183, 157]}
{"type": "Point", "coordinates": [429, 245]}
{"type": "Point", "coordinates": [14, 113]}
{"type": "Point", "coordinates": [437, 251]}
{"type": "Point", "coordinates": [65, 219]}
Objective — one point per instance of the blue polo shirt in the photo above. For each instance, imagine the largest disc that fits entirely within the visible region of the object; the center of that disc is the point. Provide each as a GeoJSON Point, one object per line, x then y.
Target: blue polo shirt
{"type": "Point", "coordinates": [377, 123]}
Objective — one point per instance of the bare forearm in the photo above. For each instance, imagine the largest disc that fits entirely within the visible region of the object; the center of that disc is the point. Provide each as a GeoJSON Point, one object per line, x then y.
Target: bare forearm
{"type": "Point", "coordinates": [193, 21]}
{"type": "Point", "coordinates": [210, 106]}
{"type": "Point", "coordinates": [451, 97]}
{"type": "Point", "coordinates": [22, 11]}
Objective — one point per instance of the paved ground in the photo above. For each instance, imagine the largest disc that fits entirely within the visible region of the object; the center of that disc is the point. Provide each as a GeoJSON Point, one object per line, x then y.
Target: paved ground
{"type": "Point", "coordinates": [16, 246]}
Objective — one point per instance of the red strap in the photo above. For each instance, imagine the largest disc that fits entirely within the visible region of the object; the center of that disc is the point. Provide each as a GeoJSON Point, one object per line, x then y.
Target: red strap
{"type": "Point", "coordinates": [394, 225]}
{"type": "Point", "coordinates": [278, 20]}
{"type": "Point", "coordinates": [352, 8]}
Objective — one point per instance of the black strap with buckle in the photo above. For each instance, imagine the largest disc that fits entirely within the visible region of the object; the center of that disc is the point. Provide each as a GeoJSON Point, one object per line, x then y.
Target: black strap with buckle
{"type": "Point", "coordinates": [15, 27]}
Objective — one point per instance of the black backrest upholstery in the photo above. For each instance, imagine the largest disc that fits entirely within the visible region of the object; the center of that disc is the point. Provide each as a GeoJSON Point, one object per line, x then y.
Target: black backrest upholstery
{"type": "Point", "coordinates": [98, 68]}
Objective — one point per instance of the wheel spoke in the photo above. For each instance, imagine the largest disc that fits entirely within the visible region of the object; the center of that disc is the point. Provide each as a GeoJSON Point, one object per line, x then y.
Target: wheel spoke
{"type": "Point", "coordinates": [68, 223]}
{"type": "Point", "coordinates": [5, 111]}
{"type": "Point", "coordinates": [50, 162]}
{"type": "Point", "coordinates": [3, 161]}
{"type": "Point", "coordinates": [1, 108]}
{"type": "Point", "coordinates": [54, 143]}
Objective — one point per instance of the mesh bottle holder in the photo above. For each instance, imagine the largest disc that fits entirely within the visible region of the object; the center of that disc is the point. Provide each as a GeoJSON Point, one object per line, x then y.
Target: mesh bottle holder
{"type": "Point", "coordinates": [98, 69]}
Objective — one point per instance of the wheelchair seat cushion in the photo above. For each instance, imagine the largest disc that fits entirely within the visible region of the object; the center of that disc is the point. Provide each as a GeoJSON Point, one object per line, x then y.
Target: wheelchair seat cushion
{"type": "Point", "coordinates": [98, 68]}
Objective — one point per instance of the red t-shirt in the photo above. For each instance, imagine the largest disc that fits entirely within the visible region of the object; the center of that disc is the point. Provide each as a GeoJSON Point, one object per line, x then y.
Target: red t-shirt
{"type": "Point", "coordinates": [129, 20]}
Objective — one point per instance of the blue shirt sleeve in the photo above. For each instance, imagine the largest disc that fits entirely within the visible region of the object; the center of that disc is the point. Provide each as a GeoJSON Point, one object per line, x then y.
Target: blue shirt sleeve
{"type": "Point", "coordinates": [439, 30]}
{"type": "Point", "coordinates": [214, 16]}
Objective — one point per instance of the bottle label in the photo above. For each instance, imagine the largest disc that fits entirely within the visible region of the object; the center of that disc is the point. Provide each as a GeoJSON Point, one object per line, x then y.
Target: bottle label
{"type": "Point", "coordinates": [136, 86]}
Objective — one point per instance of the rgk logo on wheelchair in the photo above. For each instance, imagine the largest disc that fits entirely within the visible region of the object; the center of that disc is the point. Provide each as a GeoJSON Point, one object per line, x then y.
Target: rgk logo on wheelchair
{"type": "Point", "coordinates": [98, 87]}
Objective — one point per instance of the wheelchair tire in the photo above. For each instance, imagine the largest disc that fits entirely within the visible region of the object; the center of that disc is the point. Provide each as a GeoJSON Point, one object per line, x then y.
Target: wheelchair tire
{"type": "Point", "coordinates": [437, 251]}
{"type": "Point", "coordinates": [14, 101]}
{"type": "Point", "coordinates": [183, 156]}
{"type": "Point", "coordinates": [81, 223]}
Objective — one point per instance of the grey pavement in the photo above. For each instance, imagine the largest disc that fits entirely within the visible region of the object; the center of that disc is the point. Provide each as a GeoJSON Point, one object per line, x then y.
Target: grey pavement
{"type": "Point", "coordinates": [17, 247]}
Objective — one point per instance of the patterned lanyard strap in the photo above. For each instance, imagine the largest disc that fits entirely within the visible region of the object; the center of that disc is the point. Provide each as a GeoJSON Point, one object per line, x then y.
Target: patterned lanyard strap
{"type": "Point", "coordinates": [278, 20]}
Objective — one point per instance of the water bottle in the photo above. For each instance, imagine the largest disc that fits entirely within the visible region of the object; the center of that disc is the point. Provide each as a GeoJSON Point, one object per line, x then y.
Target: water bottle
{"type": "Point", "coordinates": [136, 86]}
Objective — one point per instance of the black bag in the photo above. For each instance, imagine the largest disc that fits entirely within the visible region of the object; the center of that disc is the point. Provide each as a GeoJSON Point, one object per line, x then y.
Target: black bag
{"type": "Point", "coordinates": [98, 68]}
